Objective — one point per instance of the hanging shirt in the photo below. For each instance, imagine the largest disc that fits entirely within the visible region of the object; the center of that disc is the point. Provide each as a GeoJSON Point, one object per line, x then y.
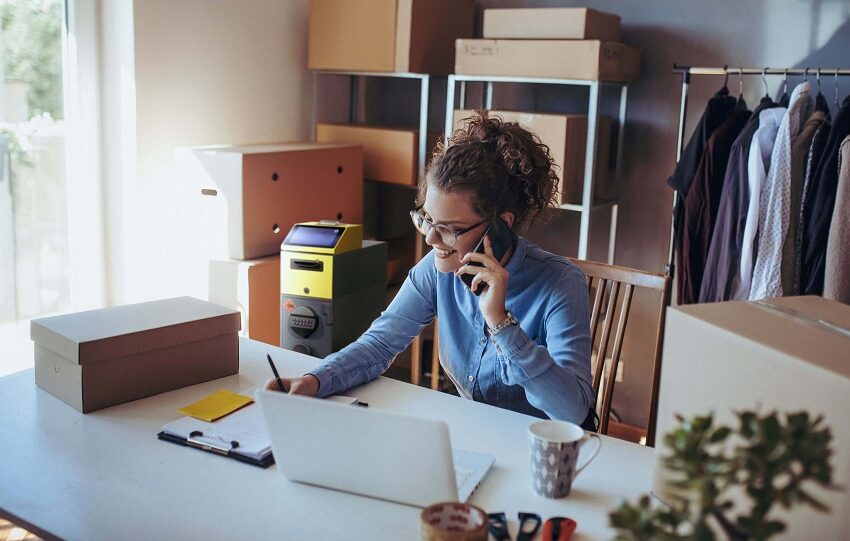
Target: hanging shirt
{"type": "Point", "coordinates": [715, 111]}
{"type": "Point", "coordinates": [724, 253]}
{"type": "Point", "coordinates": [822, 195]}
{"type": "Point", "coordinates": [540, 367]}
{"type": "Point", "coordinates": [701, 205]}
{"type": "Point", "coordinates": [774, 204]}
{"type": "Point", "coordinates": [800, 146]}
{"type": "Point", "coordinates": [758, 164]}
{"type": "Point", "coordinates": [815, 155]}
{"type": "Point", "coordinates": [837, 272]}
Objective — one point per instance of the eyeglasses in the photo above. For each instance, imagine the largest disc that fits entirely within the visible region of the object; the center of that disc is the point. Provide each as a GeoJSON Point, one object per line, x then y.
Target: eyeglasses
{"type": "Point", "coordinates": [446, 234]}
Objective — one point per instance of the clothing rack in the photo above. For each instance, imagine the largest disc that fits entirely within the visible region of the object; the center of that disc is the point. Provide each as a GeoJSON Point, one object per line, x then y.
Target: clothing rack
{"type": "Point", "coordinates": [726, 71]}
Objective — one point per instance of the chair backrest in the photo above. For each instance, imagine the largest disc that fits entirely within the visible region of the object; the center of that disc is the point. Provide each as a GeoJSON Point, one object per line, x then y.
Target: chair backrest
{"type": "Point", "coordinates": [605, 284]}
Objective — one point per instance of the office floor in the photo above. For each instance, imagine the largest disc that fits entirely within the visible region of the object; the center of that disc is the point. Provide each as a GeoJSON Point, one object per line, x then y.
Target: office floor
{"type": "Point", "coordinates": [10, 532]}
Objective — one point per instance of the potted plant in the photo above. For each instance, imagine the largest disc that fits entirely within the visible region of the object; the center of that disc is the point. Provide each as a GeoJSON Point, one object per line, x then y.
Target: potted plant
{"type": "Point", "coordinates": [768, 460]}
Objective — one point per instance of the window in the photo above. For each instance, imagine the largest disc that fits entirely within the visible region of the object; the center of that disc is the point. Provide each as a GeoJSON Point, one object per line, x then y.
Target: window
{"type": "Point", "coordinates": [38, 212]}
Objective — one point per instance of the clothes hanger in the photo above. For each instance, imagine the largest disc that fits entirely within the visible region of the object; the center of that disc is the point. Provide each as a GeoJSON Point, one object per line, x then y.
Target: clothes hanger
{"type": "Point", "coordinates": [785, 99]}
{"type": "Point", "coordinates": [741, 104]}
{"type": "Point", "coordinates": [820, 101]}
{"type": "Point", "coordinates": [766, 99]}
{"type": "Point", "coordinates": [725, 89]}
{"type": "Point", "coordinates": [836, 91]}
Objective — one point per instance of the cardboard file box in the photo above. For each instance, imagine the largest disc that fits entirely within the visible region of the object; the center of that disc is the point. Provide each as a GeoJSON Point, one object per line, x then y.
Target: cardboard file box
{"type": "Point", "coordinates": [551, 23]}
{"type": "Point", "coordinates": [253, 288]}
{"type": "Point", "coordinates": [246, 198]}
{"type": "Point", "coordinates": [568, 59]}
{"type": "Point", "coordinates": [785, 355]}
{"type": "Point", "coordinates": [566, 135]}
{"type": "Point", "coordinates": [389, 154]}
{"type": "Point", "coordinates": [99, 358]}
{"type": "Point", "coordinates": [415, 36]}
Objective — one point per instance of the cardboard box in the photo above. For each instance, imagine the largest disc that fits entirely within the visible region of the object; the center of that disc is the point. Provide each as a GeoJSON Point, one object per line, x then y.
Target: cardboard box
{"type": "Point", "coordinates": [566, 137]}
{"type": "Point", "coordinates": [785, 355]}
{"type": "Point", "coordinates": [389, 154]}
{"type": "Point", "coordinates": [253, 288]}
{"type": "Point", "coordinates": [246, 198]}
{"type": "Point", "coordinates": [99, 358]}
{"type": "Point", "coordinates": [568, 59]}
{"type": "Point", "coordinates": [415, 36]}
{"type": "Point", "coordinates": [551, 23]}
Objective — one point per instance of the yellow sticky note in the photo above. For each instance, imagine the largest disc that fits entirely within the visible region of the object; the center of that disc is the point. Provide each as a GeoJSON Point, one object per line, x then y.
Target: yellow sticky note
{"type": "Point", "coordinates": [215, 406]}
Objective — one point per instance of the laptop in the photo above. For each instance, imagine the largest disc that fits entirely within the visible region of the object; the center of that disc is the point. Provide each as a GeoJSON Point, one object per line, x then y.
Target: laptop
{"type": "Point", "coordinates": [368, 452]}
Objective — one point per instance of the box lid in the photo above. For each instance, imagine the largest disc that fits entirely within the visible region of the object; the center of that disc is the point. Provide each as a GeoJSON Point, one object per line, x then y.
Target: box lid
{"type": "Point", "coordinates": [813, 329]}
{"type": "Point", "coordinates": [97, 335]}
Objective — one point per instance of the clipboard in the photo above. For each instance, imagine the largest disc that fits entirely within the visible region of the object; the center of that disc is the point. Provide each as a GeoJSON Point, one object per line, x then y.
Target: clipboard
{"type": "Point", "coordinates": [241, 436]}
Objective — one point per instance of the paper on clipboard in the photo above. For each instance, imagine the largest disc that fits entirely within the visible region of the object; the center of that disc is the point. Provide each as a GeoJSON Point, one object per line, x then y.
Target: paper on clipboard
{"type": "Point", "coordinates": [241, 434]}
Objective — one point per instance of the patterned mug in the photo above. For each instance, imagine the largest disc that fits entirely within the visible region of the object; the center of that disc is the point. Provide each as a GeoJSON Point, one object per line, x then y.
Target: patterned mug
{"type": "Point", "coordinates": [553, 448]}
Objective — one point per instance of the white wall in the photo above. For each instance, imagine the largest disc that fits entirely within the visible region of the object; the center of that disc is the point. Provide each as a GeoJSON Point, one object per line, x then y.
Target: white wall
{"type": "Point", "coordinates": [187, 73]}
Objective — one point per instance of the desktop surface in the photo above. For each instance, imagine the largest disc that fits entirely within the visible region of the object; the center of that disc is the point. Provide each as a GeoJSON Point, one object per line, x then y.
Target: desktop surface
{"type": "Point", "coordinates": [105, 475]}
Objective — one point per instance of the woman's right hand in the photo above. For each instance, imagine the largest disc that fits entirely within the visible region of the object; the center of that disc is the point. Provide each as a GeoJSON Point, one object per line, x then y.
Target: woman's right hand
{"type": "Point", "coordinates": [307, 385]}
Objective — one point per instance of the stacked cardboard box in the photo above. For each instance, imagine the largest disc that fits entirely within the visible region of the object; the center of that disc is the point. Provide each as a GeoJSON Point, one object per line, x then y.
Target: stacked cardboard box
{"type": "Point", "coordinates": [405, 36]}
{"type": "Point", "coordinates": [247, 198]}
{"type": "Point", "coordinates": [569, 43]}
{"type": "Point", "coordinates": [566, 137]}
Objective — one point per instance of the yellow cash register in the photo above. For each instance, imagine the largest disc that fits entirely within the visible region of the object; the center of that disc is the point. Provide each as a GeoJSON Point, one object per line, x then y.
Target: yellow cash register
{"type": "Point", "coordinates": [332, 286]}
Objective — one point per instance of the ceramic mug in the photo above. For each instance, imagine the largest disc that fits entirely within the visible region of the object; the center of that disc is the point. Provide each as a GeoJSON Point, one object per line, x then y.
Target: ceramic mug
{"type": "Point", "coordinates": [553, 448]}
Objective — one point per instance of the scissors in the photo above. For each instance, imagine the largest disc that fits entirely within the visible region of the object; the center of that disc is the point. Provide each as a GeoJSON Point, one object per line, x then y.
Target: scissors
{"type": "Point", "coordinates": [529, 523]}
{"type": "Point", "coordinates": [558, 529]}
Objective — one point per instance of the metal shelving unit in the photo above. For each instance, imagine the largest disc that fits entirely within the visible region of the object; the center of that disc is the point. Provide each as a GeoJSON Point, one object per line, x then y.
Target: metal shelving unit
{"type": "Point", "coordinates": [588, 205]}
{"type": "Point", "coordinates": [424, 92]}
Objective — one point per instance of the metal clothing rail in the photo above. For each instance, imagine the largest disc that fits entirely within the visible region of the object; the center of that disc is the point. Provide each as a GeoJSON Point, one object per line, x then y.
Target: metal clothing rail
{"type": "Point", "coordinates": [726, 71]}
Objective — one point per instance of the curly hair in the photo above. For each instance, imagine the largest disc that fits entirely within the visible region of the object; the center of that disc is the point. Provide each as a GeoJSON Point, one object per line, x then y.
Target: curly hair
{"type": "Point", "coordinates": [505, 167]}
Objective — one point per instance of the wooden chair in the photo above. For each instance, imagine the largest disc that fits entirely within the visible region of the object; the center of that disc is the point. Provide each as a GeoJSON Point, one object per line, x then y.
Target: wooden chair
{"type": "Point", "coordinates": [605, 283]}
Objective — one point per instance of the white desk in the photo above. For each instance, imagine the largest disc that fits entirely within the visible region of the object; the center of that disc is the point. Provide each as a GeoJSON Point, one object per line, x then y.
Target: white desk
{"type": "Point", "coordinates": [105, 475]}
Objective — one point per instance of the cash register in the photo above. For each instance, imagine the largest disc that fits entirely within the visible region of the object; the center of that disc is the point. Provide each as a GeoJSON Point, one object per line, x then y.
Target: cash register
{"type": "Point", "coordinates": [333, 284]}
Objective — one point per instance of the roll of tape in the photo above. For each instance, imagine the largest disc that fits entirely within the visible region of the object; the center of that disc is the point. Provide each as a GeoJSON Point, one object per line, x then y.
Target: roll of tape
{"type": "Point", "coordinates": [453, 521]}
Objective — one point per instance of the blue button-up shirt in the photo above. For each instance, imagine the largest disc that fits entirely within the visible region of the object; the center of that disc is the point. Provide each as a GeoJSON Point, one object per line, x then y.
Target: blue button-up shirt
{"type": "Point", "coordinates": [541, 367]}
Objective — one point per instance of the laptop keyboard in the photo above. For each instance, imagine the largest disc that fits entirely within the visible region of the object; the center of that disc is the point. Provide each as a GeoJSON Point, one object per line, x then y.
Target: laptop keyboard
{"type": "Point", "coordinates": [461, 474]}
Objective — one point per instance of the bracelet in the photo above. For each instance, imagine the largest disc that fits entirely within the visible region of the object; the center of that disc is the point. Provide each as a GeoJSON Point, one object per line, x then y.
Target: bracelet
{"type": "Point", "coordinates": [507, 322]}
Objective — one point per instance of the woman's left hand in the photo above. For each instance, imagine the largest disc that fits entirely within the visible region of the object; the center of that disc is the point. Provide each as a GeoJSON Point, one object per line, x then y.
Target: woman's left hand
{"type": "Point", "coordinates": [494, 276]}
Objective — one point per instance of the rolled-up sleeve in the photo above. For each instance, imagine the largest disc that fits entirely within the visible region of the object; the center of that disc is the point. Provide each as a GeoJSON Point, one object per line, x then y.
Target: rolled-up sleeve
{"type": "Point", "coordinates": [370, 355]}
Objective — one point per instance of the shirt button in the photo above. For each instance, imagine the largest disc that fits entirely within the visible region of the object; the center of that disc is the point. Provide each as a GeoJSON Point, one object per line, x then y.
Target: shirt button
{"type": "Point", "coordinates": [471, 378]}
{"type": "Point", "coordinates": [483, 340]}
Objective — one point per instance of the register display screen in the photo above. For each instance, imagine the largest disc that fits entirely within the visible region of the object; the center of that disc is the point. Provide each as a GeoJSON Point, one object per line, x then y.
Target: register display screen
{"type": "Point", "coordinates": [309, 235]}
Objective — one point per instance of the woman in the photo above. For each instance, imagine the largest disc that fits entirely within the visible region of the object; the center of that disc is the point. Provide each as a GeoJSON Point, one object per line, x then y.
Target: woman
{"type": "Point", "coordinates": [522, 343]}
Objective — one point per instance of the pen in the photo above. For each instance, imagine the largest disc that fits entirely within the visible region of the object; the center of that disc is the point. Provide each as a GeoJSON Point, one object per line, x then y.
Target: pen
{"type": "Point", "coordinates": [276, 375]}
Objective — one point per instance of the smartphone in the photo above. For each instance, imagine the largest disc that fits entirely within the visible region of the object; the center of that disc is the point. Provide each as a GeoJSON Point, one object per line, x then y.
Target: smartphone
{"type": "Point", "coordinates": [501, 240]}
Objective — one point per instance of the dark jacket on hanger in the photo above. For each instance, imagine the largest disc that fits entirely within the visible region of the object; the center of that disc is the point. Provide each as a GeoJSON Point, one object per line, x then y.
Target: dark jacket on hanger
{"type": "Point", "coordinates": [814, 158]}
{"type": "Point", "coordinates": [724, 254]}
{"type": "Point", "coordinates": [822, 196]}
{"type": "Point", "coordinates": [701, 202]}
{"type": "Point", "coordinates": [715, 111]}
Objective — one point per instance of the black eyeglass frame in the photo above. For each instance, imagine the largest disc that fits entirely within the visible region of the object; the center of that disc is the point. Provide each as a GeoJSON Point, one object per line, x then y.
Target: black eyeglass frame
{"type": "Point", "coordinates": [417, 213]}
